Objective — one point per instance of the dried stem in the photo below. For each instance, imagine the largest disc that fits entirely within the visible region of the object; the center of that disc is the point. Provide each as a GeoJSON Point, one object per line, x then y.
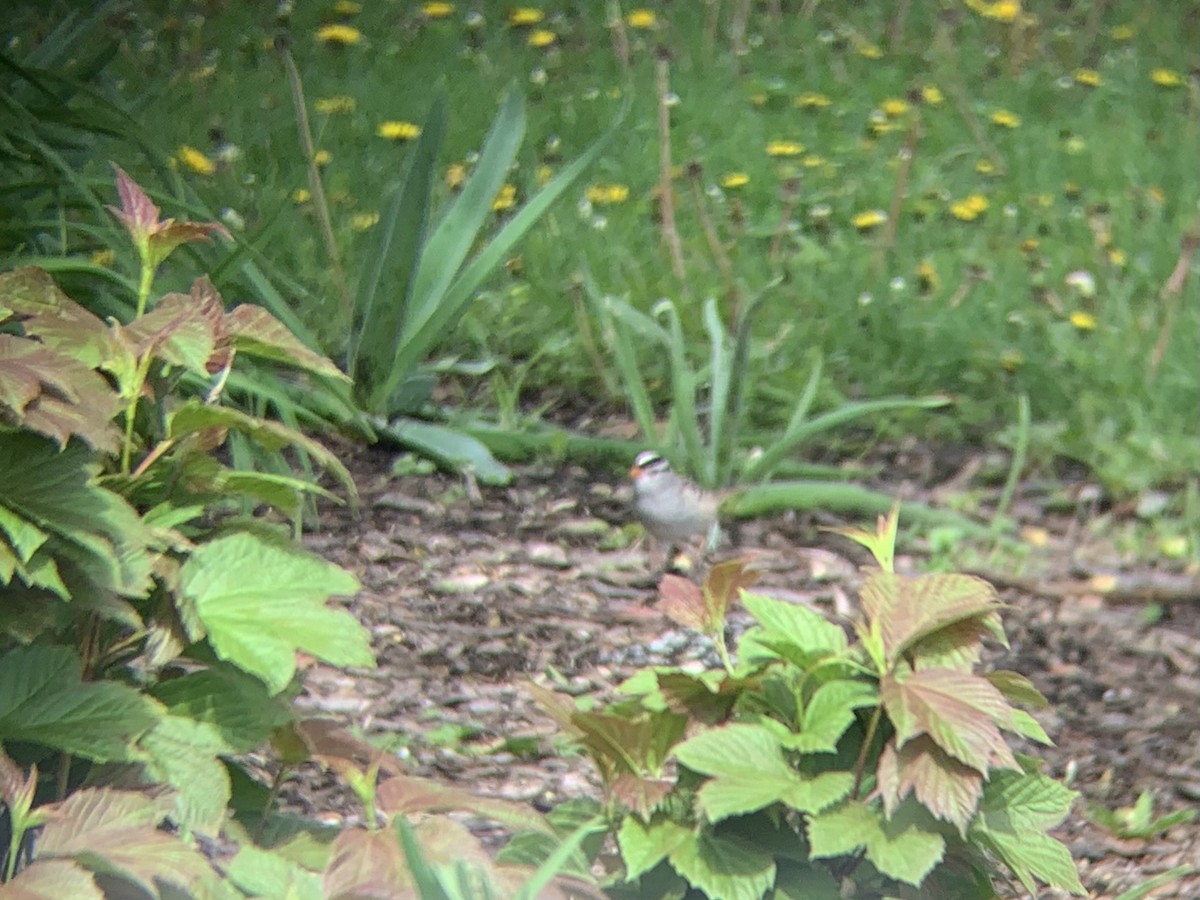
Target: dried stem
{"type": "Point", "coordinates": [1171, 291]}
{"type": "Point", "coordinates": [314, 181]}
{"type": "Point", "coordinates": [737, 28]}
{"type": "Point", "coordinates": [666, 200]}
{"type": "Point", "coordinates": [791, 196]}
{"type": "Point", "coordinates": [892, 225]}
{"type": "Point", "coordinates": [620, 37]}
{"type": "Point", "coordinates": [896, 25]}
{"type": "Point", "coordinates": [714, 245]}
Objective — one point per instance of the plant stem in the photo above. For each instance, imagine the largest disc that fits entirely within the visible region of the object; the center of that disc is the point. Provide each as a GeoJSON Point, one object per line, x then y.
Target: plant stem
{"type": "Point", "coordinates": [666, 201]}
{"type": "Point", "coordinates": [145, 282]}
{"type": "Point", "coordinates": [135, 392]}
{"type": "Point", "coordinates": [868, 738]}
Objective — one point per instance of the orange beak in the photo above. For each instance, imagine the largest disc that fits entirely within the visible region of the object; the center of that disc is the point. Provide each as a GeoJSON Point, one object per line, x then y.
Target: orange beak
{"type": "Point", "coordinates": [635, 472]}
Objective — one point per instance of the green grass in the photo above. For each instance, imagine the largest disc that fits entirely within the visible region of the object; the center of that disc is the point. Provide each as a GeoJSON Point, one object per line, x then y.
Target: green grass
{"type": "Point", "coordinates": [1099, 178]}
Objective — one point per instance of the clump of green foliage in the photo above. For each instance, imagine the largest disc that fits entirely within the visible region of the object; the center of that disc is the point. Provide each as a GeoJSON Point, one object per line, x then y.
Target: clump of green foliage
{"type": "Point", "coordinates": [154, 600]}
{"type": "Point", "coordinates": [816, 764]}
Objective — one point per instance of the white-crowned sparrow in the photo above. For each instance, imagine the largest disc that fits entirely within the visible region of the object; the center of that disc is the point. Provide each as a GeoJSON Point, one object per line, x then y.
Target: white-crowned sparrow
{"type": "Point", "coordinates": [673, 509]}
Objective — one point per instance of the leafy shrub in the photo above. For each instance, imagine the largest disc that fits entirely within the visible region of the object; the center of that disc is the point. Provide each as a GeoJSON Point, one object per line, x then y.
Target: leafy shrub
{"type": "Point", "coordinates": [817, 765]}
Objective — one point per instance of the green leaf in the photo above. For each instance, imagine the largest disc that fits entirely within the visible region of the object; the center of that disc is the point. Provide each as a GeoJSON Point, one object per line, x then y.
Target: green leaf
{"type": "Point", "coordinates": [259, 603]}
{"type": "Point", "coordinates": [255, 332]}
{"type": "Point", "coordinates": [183, 754]}
{"type": "Point", "coordinates": [643, 846]}
{"type": "Point", "coordinates": [724, 868]}
{"type": "Point", "coordinates": [749, 772]}
{"type": "Point", "coordinates": [54, 492]}
{"type": "Point", "coordinates": [261, 873]}
{"type": "Point", "coordinates": [1032, 855]}
{"type": "Point", "coordinates": [804, 881]}
{"type": "Point", "coordinates": [795, 624]}
{"type": "Point", "coordinates": [237, 705]}
{"type": "Point", "coordinates": [454, 450]}
{"type": "Point", "coordinates": [44, 700]}
{"type": "Point", "coordinates": [829, 712]}
{"type": "Point", "coordinates": [903, 848]}
{"type": "Point", "coordinates": [181, 330]}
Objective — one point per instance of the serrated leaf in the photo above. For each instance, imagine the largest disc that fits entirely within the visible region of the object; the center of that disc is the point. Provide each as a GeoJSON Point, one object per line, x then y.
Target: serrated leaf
{"type": "Point", "coordinates": [706, 697]}
{"type": "Point", "coordinates": [681, 600]}
{"type": "Point", "coordinates": [181, 330]}
{"type": "Point", "coordinates": [44, 700]}
{"type": "Point", "coordinates": [1017, 688]}
{"type": "Point", "coordinates": [900, 848]}
{"type": "Point", "coordinates": [52, 393]}
{"type": "Point", "coordinates": [943, 785]}
{"type": "Point", "coordinates": [262, 873]}
{"type": "Point", "coordinates": [117, 832]}
{"type": "Point", "coordinates": [52, 879]}
{"type": "Point", "coordinates": [724, 868]}
{"type": "Point", "coordinates": [804, 881]}
{"type": "Point", "coordinates": [829, 712]}
{"type": "Point", "coordinates": [194, 416]}
{"type": "Point", "coordinates": [366, 864]}
{"type": "Point", "coordinates": [1024, 801]}
{"type": "Point", "coordinates": [958, 710]}
{"type": "Point", "coordinates": [183, 754]}
{"type": "Point", "coordinates": [260, 602]}
{"type": "Point", "coordinates": [53, 489]}
{"type": "Point", "coordinates": [910, 609]}
{"type": "Point", "coordinates": [403, 795]}
{"type": "Point", "coordinates": [50, 316]}
{"type": "Point", "coordinates": [1033, 856]}
{"type": "Point", "coordinates": [643, 846]}
{"type": "Point", "coordinates": [255, 332]}
{"type": "Point", "coordinates": [636, 744]}
{"type": "Point", "coordinates": [236, 704]}
{"type": "Point", "coordinates": [796, 624]}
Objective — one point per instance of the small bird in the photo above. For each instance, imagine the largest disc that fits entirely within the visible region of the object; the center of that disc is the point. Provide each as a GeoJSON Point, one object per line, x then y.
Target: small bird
{"type": "Point", "coordinates": [673, 509]}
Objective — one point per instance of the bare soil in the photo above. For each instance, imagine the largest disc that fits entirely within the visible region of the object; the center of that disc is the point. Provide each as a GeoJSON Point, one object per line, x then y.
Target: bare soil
{"type": "Point", "coordinates": [469, 598]}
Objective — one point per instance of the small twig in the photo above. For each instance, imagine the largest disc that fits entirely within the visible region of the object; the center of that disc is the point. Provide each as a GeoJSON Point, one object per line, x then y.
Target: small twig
{"type": "Point", "coordinates": [737, 28]}
{"type": "Point", "coordinates": [791, 196]}
{"type": "Point", "coordinates": [666, 200]}
{"type": "Point", "coordinates": [896, 25]}
{"type": "Point", "coordinates": [620, 37]}
{"type": "Point", "coordinates": [892, 226]}
{"type": "Point", "coordinates": [1172, 290]}
{"type": "Point", "coordinates": [715, 245]}
{"type": "Point", "coordinates": [314, 179]}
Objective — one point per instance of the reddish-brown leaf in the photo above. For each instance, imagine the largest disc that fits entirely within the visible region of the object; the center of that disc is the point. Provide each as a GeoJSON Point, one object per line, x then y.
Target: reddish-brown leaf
{"type": "Point", "coordinates": [52, 879]}
{"type": "Point", "coordinates": [913, 608]}
{"type": "Point", "coordinates": [333, 746]}
{"type": "Point", "coordinates": [182, 329]}
{"type": "Point", "coordinates": [682, 601]}
{"type": "Point", "coordinates": [943, 785]}
{"type": "Point", "coordinates": [367, 864]}
{"type": "Point", "coordinates": [407, 794]}
{"type": "Point", "coordinates": [253, 330]}
{"type": "Point", "coordinates": [49, 315]}
{"type": "Point", "coordinates": [958, 710]}
{"type": "Point", "coordinates": [642, 794]}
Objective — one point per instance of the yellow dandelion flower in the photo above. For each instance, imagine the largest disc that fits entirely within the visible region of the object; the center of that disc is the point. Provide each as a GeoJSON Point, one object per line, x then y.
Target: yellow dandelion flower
{"type": "Point", "coordinates": [642, 18]}
{"type": "Point", "coordinates": [1075, 145]}
{"type": "Point", "coordinates": [543, 174]}
{"type": "Point", "coordinates": [1000, 11]}
{"type": "Point", "coordinates": [784, 148]}
{"type": "Point", "coordinates": [870, 51]}
{"type": "Point", "coordinates": [301, 195]}
{"type": "Point", "coordinates": [894, 107]}
{"type": "Point", "coordinates": [759, 99]}
{"type": "Point", "coordinates": [398, 131]}
{"type": "Point", "coordinates": [1156, 194]}
{"type": "Point", "coordinates": [985, 167]}
{"type": "Point", "coordinates": [927, 277]}
{"type": "Point", "coordinates": [437, 10]}
{"type": "Point", "coordinates": [322, 157]}
{"type": "Point", "coordinates": [732, 180]}
{"type": "Point", "coordinates": [1005, 119]}
{"type": "Point", "coordinates": [1122, 33]}
{"type": "Point", "coordinates": [1167, 78]}
{"type": "Point", "coordinates": [364, 221]}
{"type": "Point", "coordinates": [1087, 77]}
{"type": "Point", "coordinates": [1083, 320]}
{"type": "Point", "coordinates": [812, 161]}
{"type": "Point", "coordinates": [342, 35]}
{"type": "Point", "coordinates": [868, 219]}
{"type": "Point", "coordinates": [1045, 201]}
{"type": "Point", "coordinates": [1011, 360]}
{"type": "Point", "coordinates": [1029, 245]}
{"type": "Point", "coordinates": [969, 208]}
{"type": "Point", "coordinates": [525, 15]}
{"type": "Point", "coordinates": [1117, 257]}
{"type": "Point", "coordinates": [330, 106]}
{"type": "Point", "coordinates": [811, 100]}
{"type": "Point", "coordinates": [932, 95]}
{"type": "Point", "coordinates": [607, 194]}
{"type": "Point", "coordinates": [541, 38]}
{"type": "Point", "coordinates": [456, 174]}
{"type": "Point", "coordinates": [196, 161]}
{"type": "Point", "coordinates": [347, 8]}
{"type": "Point", "coordinates": [103, 258]}
{"type": "Point", "coordinates": [506, 198]}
